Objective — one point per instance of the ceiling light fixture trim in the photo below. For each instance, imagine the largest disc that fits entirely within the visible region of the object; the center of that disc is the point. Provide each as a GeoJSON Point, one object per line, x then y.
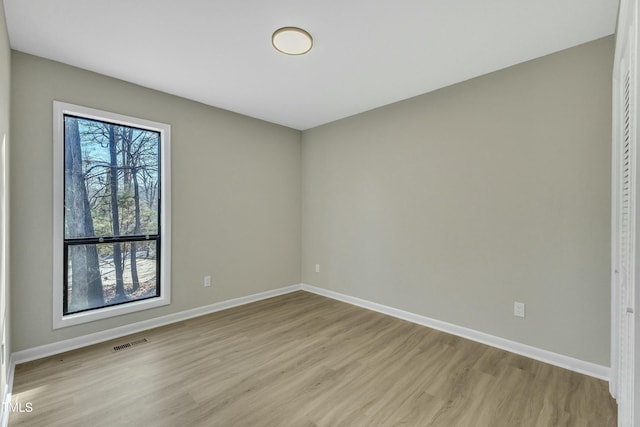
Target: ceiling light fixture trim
{"type": "Point", "coordinates": [292, 41]}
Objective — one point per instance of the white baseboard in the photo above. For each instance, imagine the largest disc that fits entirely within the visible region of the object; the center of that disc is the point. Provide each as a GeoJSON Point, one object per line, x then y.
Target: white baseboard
{"type": "Point", "coordinates": [98, 337]}
{"type": "Point", "coordinates": [567, 362]}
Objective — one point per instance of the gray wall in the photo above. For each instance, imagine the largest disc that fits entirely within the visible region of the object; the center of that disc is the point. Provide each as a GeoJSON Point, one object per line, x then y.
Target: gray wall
{"type": "Point", "coordinates": [456, 203]}
{"type": "Point", "coordinates": [235, 193]}
{"type": "Point", "coordinates": [5, 90]}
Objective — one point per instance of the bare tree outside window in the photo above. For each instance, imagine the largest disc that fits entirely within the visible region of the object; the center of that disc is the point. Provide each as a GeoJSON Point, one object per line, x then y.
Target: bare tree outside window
{"type": "Point", "coordinates": [111, 213]}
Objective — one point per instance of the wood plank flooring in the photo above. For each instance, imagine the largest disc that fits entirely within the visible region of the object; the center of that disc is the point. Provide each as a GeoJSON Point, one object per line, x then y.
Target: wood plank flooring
{"type": "Point", "coordinates": [303, 360]}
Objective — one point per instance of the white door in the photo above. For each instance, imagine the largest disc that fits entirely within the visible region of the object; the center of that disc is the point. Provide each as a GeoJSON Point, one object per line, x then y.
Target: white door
{"type": "Point", "coordinates": [624, 239]}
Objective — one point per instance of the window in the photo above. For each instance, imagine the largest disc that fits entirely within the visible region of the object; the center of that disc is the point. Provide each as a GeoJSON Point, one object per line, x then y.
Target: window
{"type": "Point", "coordinates": [111, 214]}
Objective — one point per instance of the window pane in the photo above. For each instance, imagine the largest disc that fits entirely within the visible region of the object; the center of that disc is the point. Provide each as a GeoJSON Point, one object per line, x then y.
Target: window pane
{"type": "Point", "coordinates": [92, 271]}
{"type": "Point", "coordinates": [111, 179]}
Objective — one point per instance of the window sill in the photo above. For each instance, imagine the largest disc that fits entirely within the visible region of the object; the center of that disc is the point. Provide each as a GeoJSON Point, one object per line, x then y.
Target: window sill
{"type": "Point", "coordinates": [61, 321]}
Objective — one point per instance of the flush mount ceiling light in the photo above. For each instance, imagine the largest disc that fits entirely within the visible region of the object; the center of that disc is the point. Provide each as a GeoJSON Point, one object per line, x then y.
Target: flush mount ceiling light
{"type": "Point", "coordinates": [292, 40]}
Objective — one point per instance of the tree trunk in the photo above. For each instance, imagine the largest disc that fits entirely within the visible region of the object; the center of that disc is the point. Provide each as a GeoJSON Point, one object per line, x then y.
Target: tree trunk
{"type": "Point", "coordinates": [86, 282]}
{"type": "Point", "coordinates": [136, 231]}
{"type": "Point", "coordinates": [113, 183]}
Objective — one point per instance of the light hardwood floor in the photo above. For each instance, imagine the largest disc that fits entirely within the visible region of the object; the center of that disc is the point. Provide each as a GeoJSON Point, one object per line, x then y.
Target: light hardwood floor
{"type": "Point", "coordinates": [303, 360]}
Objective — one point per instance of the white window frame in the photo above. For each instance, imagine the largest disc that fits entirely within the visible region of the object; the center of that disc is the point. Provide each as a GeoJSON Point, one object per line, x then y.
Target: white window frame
{"type": "Point", "coordinates": [60, 109]}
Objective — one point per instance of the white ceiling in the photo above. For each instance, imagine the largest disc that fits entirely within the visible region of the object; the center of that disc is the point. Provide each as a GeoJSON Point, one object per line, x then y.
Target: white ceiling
{"type": "Point", "coordinates": [367, 53]}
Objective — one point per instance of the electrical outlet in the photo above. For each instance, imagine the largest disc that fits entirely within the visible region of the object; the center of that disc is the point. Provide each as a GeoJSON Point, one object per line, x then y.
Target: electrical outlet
{"type": "Point", "coordinates": [207, 281]}
{"type": "Point", "coordinates": [518, 309]}
{"type": "Point", "coordinates": [317, 268]}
